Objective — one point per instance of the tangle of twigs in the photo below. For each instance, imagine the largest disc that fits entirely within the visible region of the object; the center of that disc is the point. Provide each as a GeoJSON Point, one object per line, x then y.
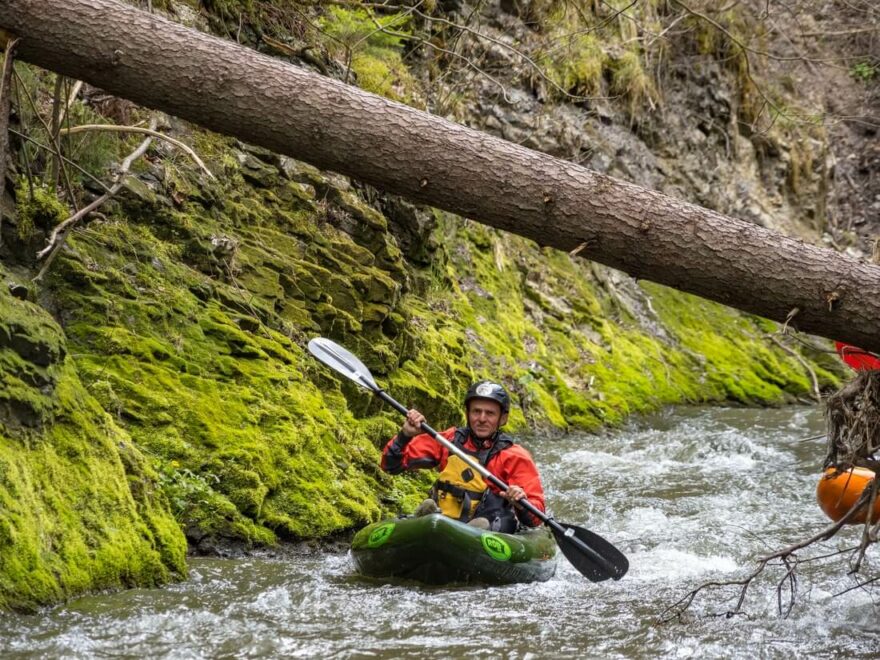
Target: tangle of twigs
{"type": "Point", "coordinates": [853, 417]}
{"type": "Point", "coordinates": [786, 558]}
{"type": "Point", "coordinates": [59, 233]}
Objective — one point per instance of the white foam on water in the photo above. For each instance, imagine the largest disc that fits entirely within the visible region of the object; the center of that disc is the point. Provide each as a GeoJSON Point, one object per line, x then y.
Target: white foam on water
{"type": "Point", "coordinates": [652, 455]}
{"type": "Point", "coordinates": [672, 564]}
{"type": "Point", "coordinates": [641, 519]}
{"type": "Point", "coordinates": [270, 603]}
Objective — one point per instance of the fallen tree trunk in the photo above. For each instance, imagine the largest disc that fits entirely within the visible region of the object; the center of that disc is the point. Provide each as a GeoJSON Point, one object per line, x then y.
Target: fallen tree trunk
{"type": "Point", "coordinates": [230, 89]}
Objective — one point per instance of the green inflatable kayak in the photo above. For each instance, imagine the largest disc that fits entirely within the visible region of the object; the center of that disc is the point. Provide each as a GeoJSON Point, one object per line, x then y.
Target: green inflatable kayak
{"type": "Point", "coordinates": [438, 550]}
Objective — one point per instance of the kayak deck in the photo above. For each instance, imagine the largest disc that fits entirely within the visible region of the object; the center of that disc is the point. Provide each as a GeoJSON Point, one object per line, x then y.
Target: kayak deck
{"type": "Point", "coordinates": [435, 549]}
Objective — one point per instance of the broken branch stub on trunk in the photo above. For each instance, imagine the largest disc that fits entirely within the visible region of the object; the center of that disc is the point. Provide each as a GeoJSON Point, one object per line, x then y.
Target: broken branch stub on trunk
{"type": "Point", "coordinates": [230, 89]}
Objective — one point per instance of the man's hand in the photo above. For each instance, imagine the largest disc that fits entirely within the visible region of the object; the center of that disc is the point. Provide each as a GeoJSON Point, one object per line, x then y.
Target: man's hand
{"type": "Point", "coordinates": [411, 426]}
{"type": "Point", "coordinates": [514, 494]}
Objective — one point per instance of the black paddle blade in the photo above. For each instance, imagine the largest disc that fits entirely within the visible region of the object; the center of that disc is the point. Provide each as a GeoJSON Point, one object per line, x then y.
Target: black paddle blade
{"type": "Point", "coordinates": [341, 361]}
{"type": "Point", "coordinates": [593, 556]}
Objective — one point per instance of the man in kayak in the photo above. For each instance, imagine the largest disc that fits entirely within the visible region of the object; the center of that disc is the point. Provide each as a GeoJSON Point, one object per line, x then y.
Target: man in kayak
{"type": "Point", "coordinates": [459, 491]}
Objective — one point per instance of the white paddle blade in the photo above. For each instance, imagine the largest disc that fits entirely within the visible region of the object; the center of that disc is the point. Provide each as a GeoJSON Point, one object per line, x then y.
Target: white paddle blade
{"type": "Point", "coordinates": [340, 360]}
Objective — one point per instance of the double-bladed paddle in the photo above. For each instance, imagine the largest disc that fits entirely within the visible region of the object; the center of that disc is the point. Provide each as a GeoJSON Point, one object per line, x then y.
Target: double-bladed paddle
{"type": "Point", "coordinates": [589, 553]}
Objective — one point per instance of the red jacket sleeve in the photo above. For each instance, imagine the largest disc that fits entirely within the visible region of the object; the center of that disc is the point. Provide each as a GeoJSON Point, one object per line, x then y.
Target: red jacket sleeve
{"type": "Point", "coordinates": [419, 452]}
{"type": "Point", "coordinates": [515, 467]}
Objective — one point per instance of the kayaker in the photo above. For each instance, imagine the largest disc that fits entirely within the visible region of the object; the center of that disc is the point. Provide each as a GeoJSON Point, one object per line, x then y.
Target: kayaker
{"type": "Point", "coordinates": [459, 491]}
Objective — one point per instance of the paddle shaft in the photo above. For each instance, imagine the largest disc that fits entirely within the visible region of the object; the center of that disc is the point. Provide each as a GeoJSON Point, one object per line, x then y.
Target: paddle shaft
{"type": "Point", "coordinates": [558, 529]}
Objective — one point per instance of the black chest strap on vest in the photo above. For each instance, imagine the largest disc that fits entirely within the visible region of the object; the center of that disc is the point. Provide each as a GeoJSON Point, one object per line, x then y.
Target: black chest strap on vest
{"type": "Point", "coordinates": [456, 491]}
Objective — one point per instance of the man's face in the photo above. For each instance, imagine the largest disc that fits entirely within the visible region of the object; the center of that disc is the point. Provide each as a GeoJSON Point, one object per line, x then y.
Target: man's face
{"type": "Point", "coordinates": [484, 417]}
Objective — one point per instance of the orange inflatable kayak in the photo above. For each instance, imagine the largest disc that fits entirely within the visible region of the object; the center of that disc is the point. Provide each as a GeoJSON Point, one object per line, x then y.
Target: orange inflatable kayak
{"type": "Point", "coordinates": [838, 491]}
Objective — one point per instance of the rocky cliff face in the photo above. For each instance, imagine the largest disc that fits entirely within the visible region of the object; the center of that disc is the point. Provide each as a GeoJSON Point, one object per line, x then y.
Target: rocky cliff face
{"type": "Point", "coordinates": [159, 393]}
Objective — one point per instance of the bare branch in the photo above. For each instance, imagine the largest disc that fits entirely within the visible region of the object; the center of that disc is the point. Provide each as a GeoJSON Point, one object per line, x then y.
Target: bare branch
{"type": "Point", "coordinates": [824, 534]}
{"type": "Point", "coordinates": [745, 50]}
{"type": "Point", "coordinates": [53, 138]}
{"type": "Point", "coordinates": [56, 239]}
{"type": "Point", "coordinates": [55, 168]}
{"type": "Point", "coordinates": [866, 530]}
{"type": "Point", "coordinates": [532, 64]}
{"type": "Point", "coordinates": [67, 160]}
{"type": "Point", "coordinates": [466, 60]}
{"type": "Point", "coordinates": [24, 151]}
{"type": "Point", "coordinates": [381, 28]}
{"type": "Point", "coordinates": [71, 97]}
{"type": "Point", "coordinates": [789, 561]}
{"type": "Point", "coordinates": [790, 577]}
{"type": "Point", "coordinates": [858, 585]}
{"type": "Point", "coordinates": [806, 365]}
{"type": "Point", "coordinates": [841, 33]}
{"type": "Point", "coordinates": [112, 128]}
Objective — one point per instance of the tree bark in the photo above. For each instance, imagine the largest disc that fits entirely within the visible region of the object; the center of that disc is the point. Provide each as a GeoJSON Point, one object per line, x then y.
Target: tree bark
{"type": "Point", "coordinates": [230, 89]}
{"type": "Point", "coordinates": [5, 108]}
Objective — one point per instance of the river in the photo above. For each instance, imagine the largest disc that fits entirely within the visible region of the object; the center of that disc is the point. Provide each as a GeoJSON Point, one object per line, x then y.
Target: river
{"type": "Point", "coordinates": [688, 494]}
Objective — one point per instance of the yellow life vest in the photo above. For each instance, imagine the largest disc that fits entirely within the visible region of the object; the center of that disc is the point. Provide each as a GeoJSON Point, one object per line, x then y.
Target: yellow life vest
{"type": "Point", "coordinates": [459, 488]}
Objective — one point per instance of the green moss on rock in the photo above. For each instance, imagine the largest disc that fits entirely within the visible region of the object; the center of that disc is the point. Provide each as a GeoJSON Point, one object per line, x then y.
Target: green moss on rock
{"type": "Point", "coordinates": [370, 46]}
{"type": "Point", "coordinates": [570, 351]}
{"type": "Point", "coordinates": [37, 208]}
{"type": "Point", "coordinates": [81, 508]}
